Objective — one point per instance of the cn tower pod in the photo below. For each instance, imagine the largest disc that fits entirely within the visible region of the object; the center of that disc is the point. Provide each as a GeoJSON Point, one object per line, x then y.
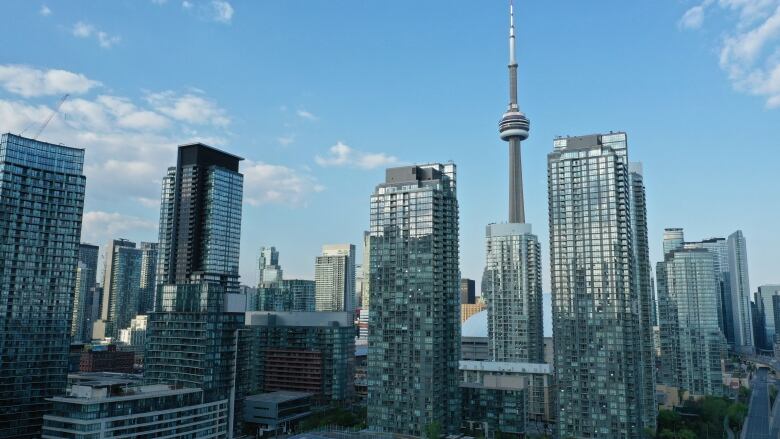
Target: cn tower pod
{"type": "Point", "coordinates": [515, 125]}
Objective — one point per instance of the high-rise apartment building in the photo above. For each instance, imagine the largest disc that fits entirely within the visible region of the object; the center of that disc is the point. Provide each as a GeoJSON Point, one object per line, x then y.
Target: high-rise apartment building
{"type": "Point", "coordinates": [366, 266]}
{"type": "Point", "coordinates": [41, 206]}
{"type": "Point", "coordinates": [692, 343]}
{"type": "Point", "coordinates": [121, 287]}
{"type": "Point", "coordinates": [84, 296]}
{"type": "Point", "coordinates": [512, 288]}
{"type": "Point", "coordinates": [718, 247]}
{"type": "Point", "coordinates": [767, 299]}
{"type": "Point", "coordinates": [643, 287]}
{"type": "Point", "coordinates": [414, 335]}
{"type": "Point", "coordinates": [334, 274]}
{"type": "Point", "coordinates": [148, 283]}
{"type": "Point", "coordinates": [596, 314]}
{"type": "Point", "coordinates": [740, 293]}
{"type": "Point", "coordinates": [268, 265]}
{"type": "Point", "coordinates": [192, 335]}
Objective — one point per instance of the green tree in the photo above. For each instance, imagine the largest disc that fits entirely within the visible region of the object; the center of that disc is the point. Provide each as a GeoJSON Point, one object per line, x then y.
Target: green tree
{"type": "Point", "coordinates": [433, 430]}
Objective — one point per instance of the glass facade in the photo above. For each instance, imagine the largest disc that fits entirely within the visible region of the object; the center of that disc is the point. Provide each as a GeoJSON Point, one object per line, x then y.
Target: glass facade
{"type": "Point", "coordinates": [284, 295]}
{"type": "Point", "coordinates": [192, 336]}
{"type": "Point", "coordinates": [740, 293]}
{"type": "Point", "coordinates": [692, 344]}
{"type": "Point", "coordinates": [767, 298]}
{"type": "Point", "coordinates": [644, 289]}
{"type": "Point", "coordinates": [121, 286]}
{"type": "Point", "coordinates": [718, 247]}
{"type": "Point", "coordinates": [334, 275]}
{"type": "Point", "coordinates": [300, 351]}
{"type": "Point", "coordinates": [512, 289]}
{"type": "Point", "coordinates": [148, 284]}
{"type": "Point", "coordinates": [596, 315]}
{"type": "Point", "coordinates": [41, 206]}
{"type": "Point", "coordinates": [414, 325]}
{"type": "Point", "coordinates": [140, 411]}
{"type": "Point", "coordinates": [84, 296]}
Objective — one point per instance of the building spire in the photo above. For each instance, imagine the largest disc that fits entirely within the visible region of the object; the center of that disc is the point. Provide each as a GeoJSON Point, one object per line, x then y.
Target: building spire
{"type": "Point", "coordinates": [512, 61]}
{"type": "Point", "coordinates": [513, 104]}
{"type": "Point", "coordinates": [514, 129]}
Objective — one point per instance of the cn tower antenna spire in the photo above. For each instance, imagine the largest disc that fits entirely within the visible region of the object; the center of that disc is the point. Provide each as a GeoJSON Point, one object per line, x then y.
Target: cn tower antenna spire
{"type": "Point", "coordinates": [514, 128]}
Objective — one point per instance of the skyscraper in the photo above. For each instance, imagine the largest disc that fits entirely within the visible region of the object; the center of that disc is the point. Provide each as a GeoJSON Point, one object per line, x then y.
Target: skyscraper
{"type": "Point", "coordinates": [334, 274]}
{"type": "Point", "coordinates": [512, 281]}
{"type": "Point", "coordinates": [767, 296]}
{"type": "Point", "coordinates": [740, 293]}
{"type": "Point", "coordinates": [719, 249]}
{"type": "Point", "coordinates": [596, 318]}
{"type": "Point", "coordinates": [121, 287]}
{"type": "Point", "coordinates": [674, 238]}
{"type": "Point", "coordinates": [268, 265]}
{"type": "Point", "coordinates": [41, 206]}
{"type": "Point", "coordinates": [86, 276]}
{"type": "Point", "coordinates": [148, 284]}
{"type": "Point", "coordinates": [512, 288]}
{"type": "Point", "coordinates": [643, 288]}
{"type": "Point", "coordinates": [691, 341]}
{"type": "Point", "coordinates": [468, 293]}
{"type": "Point", "coordinates": [193, 332]}
{"type": "Point", "coordinates": [414, 336]}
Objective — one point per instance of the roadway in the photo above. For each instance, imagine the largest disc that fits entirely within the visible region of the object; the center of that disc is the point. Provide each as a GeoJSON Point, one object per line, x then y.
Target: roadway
{"type": "Point", "coordinates": [757, 421]}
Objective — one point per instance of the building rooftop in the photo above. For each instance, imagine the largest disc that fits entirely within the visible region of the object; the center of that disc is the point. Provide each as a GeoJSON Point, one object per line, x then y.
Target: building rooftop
{"type": "Point", "coordinates": [279, 396]}
{"type": "Point", "coordinates": [104, 378]}
{"type": "Point", "coordinates": [505, 367]}
{"type": "Point", "coordinates": [306, 319]}
{"type": "Point", "coordinates": [91, 393]}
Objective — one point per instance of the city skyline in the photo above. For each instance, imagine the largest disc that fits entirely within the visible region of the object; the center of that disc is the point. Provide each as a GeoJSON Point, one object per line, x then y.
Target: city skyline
{"type": "Point", "coordinates": [304, 133]}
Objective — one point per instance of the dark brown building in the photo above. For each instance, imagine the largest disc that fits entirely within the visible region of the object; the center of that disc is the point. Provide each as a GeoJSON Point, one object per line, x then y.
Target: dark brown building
{"type": "Point", "coordinates": [106, 359]}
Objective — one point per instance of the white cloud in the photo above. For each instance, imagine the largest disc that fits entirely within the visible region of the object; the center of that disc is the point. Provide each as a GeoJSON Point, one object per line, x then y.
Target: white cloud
{"type": "Point", "coordinates": [693, 18]}
{"type": "Point", "coordinates": [130, 143]}
{"type": "Point", "coordinates": [266, 183]}
{"type": "Point", "coordinates": [86, 30]}
{"type": "Point", "coordinates": [28, 82]}
{"type": "Point", "coordinates": [83, 30]}
{"type": "Point", "coordinates": [341, 154]}
{"type": "Point", "coordinates": [45, 11]}
{"type": "Point", "coordinates": [99, 227]}
{"type": "Point", "coordinates": [189, 107]}
{"type": "Point", "coordinates": [148, 202]}
{"type": "Point", "coordinates": [286, 140]}
{"type": "Point", "coordinates": [306, 115]}
{"type": "Point", "coordinates": [222, 11]}
{"type": "Point", "coordinates": [186, 4]}
{"type": "Point", "coordinates": [749, 52]}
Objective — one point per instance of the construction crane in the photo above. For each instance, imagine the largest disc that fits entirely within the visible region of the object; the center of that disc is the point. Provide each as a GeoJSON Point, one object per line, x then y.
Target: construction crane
{"type": "Point", "coordinates": [54, 112]}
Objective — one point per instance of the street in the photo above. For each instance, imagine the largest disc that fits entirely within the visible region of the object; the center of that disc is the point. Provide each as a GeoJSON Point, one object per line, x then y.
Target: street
{"type": "Point", "coordinates": [757, 421]}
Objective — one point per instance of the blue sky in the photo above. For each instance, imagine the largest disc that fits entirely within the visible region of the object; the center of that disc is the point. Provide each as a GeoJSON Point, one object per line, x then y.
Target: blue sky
{"type": "Point", "coordinates": [320, 96]}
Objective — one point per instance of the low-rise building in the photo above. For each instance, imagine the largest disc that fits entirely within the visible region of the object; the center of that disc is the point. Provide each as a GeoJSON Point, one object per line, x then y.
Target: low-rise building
{"type": "Point", "coordinates": [112, 407]}
{"type": "Point", "coordinates": [106, 358]}
{"type": "Point", "coordinates": [276, 411]}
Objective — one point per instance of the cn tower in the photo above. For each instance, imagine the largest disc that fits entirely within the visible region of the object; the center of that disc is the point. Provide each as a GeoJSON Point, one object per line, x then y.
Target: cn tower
{"type": "Point", "coordinates": [513, 128]}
